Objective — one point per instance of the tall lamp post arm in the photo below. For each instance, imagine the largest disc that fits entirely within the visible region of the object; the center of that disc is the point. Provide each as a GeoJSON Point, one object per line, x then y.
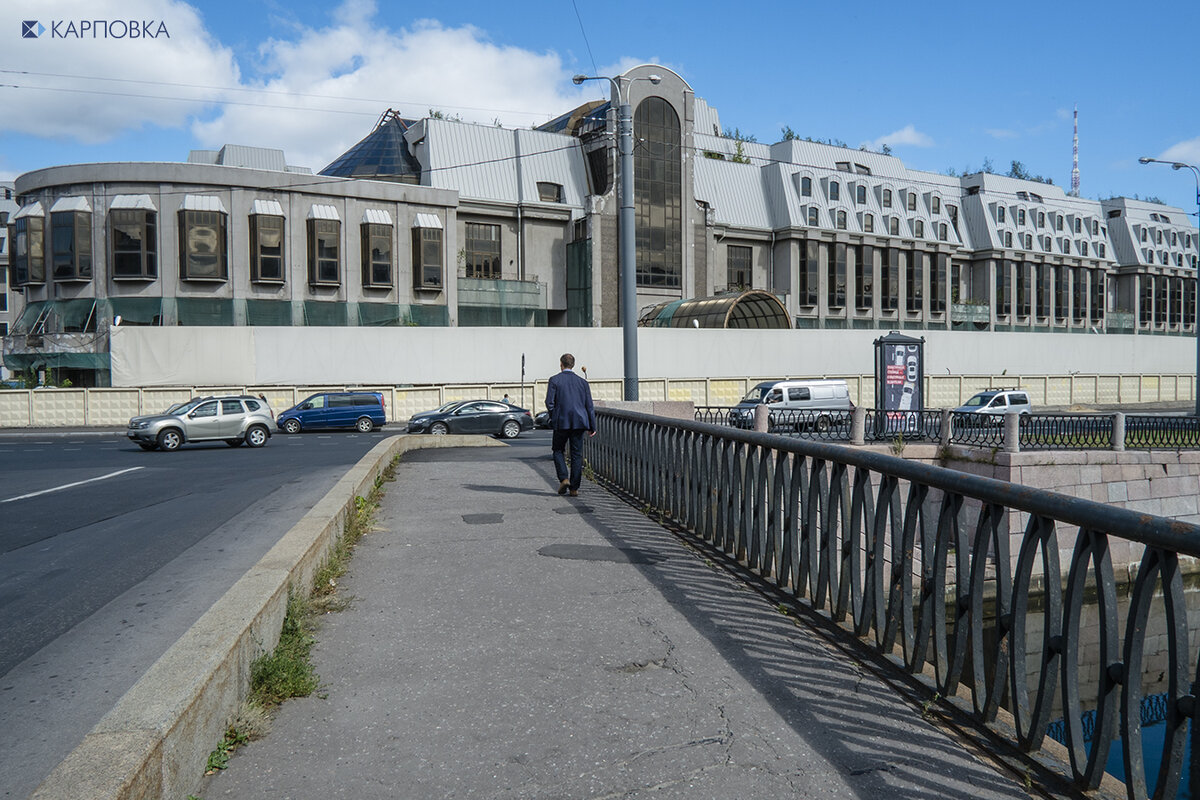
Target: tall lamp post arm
{"type": "Point", "coordinates": [1178, 165]}
{"type": "Point", "coordinates": [628, 244]}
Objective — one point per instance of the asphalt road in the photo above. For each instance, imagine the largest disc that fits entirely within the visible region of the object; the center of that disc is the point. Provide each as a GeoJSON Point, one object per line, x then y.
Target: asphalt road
{"type": "Point", "coordinates": [109, 553]}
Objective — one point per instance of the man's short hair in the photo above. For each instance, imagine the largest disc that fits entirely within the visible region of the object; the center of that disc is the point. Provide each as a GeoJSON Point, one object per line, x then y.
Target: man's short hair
{"type": "Point", "coordinates": [567, 361]}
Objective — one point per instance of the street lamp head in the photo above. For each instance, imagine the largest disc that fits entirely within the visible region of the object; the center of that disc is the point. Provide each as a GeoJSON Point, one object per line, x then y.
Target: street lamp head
{"type": "Point", "coordinates": [1142, 160]}
{"type": "Point", "coordinates": [578, 79]}
{"type": "Point", "coordinates": [655, 79]}
{"type": "Point", "coordinates": [1178, 165]}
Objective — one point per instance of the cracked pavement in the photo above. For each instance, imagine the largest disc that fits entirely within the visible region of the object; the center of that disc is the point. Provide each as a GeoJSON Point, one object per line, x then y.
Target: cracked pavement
{"type": "Point", "coordinates": [469, 664]}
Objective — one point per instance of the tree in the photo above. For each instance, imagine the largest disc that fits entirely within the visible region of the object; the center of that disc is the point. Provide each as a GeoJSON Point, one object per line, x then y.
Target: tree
{"type": "Point", "coordinates": [737, 135]}
{"type": "Point", "coordinates": [789, 135]}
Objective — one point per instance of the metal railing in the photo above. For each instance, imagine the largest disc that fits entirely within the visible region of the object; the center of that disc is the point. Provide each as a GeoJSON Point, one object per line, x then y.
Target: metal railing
{"type": "Point", "coordinates": [824, 523]}
{"type": "Point", "coordinates": [1065, 432]}
{"type": "Point", "coordinates": [1145, 432]}
{"type": "Point", "coordinates": [824, 424]}
{"type": "Point", "coordinates": [887, 426]}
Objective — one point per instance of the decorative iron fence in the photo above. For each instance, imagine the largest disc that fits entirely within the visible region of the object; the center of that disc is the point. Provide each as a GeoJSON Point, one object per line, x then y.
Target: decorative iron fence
{"type": "Point", "coordinates": [917, 558]}
{"type": "Point", "coordinates": [1066, 432]}
{"type": "Point", "coordinates": [887, 426]}
{"type": "Point", "coordinates": [826, 424]}
{"type": "Point", "coordinates": [1143, 432]}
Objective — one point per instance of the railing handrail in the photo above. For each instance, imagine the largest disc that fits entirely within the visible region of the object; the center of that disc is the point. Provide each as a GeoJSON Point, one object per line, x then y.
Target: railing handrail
{"type": "Point", "coordinates": [1147, 529]}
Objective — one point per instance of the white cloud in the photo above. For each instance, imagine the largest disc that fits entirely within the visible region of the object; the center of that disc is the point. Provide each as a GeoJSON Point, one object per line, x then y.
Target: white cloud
{"type": "Point", "coordinates": [58, 95]}
{"type": "Point", "coordinates": [1002, 133]}
{"type": "Point", "coordinates": [1188, 152]}
{"type": "Point", "coordinates": [337, 80]}
{"type": "Point", "coordinates": [908, 135]}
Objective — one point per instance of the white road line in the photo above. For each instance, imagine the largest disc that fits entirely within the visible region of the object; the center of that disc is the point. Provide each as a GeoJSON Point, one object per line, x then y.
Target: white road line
{"type": "Point", "coordinates": [72, 485]}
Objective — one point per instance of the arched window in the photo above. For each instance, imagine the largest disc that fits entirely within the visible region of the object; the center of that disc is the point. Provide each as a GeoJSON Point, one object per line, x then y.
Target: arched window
{"type": "Point", "coordinates": [657, 194]}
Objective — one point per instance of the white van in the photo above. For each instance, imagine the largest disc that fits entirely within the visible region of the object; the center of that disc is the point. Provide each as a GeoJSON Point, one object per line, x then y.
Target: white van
{"type": "Point", "coordinates": [794, 404]}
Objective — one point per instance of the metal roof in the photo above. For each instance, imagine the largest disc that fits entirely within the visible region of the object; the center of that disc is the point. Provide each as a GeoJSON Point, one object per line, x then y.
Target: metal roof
{"type": "Point", "coordinates": [753, 309]}
{"type": "Point", "coordinates": [268, 208]}
{"type": "Point", "coordinates": [382, 154]}
{"type": "Point", "coordinates": [203, 202]}
{"type": "Point", "coordinates": [141, 201]}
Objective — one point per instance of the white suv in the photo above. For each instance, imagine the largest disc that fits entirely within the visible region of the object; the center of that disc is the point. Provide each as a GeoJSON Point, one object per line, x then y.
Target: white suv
{"type": "Point", "coordinates": [995, 403]}
{"type": "Point", "coordinates": [234, 419]}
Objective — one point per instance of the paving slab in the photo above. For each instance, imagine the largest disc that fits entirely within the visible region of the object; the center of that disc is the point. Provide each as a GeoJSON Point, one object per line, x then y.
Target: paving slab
{"type": "Point", "coordinates": [503, 641]}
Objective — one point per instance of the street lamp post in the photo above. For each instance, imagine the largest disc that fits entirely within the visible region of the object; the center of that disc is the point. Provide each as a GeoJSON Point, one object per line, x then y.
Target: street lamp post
{"type": "Point", "coordinates": [1195, 316]}
{"type": "Point", "coordinates": [628, 244]}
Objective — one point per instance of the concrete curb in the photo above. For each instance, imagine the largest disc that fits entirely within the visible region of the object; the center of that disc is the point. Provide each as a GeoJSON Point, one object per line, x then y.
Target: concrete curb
{"type": "Point", "coordinates": [155, 742]}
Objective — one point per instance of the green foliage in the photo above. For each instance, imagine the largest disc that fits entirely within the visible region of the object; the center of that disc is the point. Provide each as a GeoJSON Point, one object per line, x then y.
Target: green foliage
{"type": "Point", "coordinates": [788, 134]}
{"type": "Point", "coordinates": [737, 135]}
{"type": "Point", "coordinates": [286, 672]}
{"type": "Point", "coordinates": [714, 156]}
{"type": "Point", "coordinates": [1017, 170]}
{"type": "Point", "coordinates": [739, 156]}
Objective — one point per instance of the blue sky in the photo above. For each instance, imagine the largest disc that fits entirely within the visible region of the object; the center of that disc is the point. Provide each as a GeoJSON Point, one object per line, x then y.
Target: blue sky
{"type": "Point", "coordinates": [945, 84]}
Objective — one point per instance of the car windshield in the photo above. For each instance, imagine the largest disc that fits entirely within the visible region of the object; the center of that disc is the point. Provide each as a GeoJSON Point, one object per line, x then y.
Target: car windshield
{"type": "Point", "coordinates": [978, 400]}
{"type": "Point", "coordinates": [757, 394]}
{"type": "Point", "coordinates": [184, 407]}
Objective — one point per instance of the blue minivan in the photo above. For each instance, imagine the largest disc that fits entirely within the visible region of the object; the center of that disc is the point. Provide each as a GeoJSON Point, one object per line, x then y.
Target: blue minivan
{"type": "Point", "coordinates": [363, 411]}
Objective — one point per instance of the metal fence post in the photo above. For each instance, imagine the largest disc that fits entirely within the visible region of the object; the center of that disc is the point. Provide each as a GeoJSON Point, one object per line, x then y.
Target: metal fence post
{"type": "Point", "coordinates": [947, 427]}
{"type": "Point", "coordinates": [1118, 431]}
{"type": "Point", "coordinates": [1012, 432]}
{"type": "Point", "coordinates": [858, 425]}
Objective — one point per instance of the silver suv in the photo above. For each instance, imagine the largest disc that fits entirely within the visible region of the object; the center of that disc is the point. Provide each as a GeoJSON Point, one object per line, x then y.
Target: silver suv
{"type": "Point", "coordinates": [233, 419]}
{"type": "Point", "coordinates": [992, 404]}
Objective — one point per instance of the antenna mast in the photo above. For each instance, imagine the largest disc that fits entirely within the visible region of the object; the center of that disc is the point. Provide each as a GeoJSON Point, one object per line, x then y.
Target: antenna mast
{"type": "Point", "coordinates": [1075, 156]}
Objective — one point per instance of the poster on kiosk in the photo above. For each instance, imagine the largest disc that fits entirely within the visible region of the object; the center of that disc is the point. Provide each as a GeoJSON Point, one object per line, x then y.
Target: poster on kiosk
{"type": "Point", "coordinates": [899, 377]}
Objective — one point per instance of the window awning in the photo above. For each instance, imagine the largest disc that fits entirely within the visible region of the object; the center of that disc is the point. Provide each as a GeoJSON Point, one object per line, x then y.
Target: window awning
{"type": "Point", "coordinates": [71, 204]}
{"type": "Point", "coordinates": [323, 212]}
{"type": "Point", "coordinates": [203, 202]}
{"type": "Point", "coordinates": [141, 201]}
{"type": "Point", "coordinates": [268, 208]}
{"type": "Point", "coordinates": [427, 221]}
{"type": "Point", "coordinates": [377, 216]}
{"type": "Point", "coordinates": [31, 210]}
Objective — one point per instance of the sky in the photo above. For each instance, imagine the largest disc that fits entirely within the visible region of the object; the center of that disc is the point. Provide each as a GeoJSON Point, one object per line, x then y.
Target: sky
{"type": "Point", "coordinates": [946, 85]}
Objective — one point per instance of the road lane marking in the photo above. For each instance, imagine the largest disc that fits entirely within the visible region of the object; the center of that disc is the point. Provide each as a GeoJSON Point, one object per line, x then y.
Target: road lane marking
{"type": "Point", "coordinates": [71, 485]}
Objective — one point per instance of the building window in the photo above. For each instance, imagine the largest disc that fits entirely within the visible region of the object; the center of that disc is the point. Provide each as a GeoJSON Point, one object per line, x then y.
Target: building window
{"type": "Point", "coordinates": [806, 187]}
{"type": "Point", "coordinates": [1095, 227]}
{"type": "Point", "coordinates": [1189, 301]}
{"type": "Point", "coordinates": [657, 195]}
{"type": "Point", "coordinates": [919, 229]}
{"type": "Point", "coordinates": [1003, 288]}
{"type": "Point", "coordinates": [739, 266]}
{"type": "Point", "coordinates": [549, 192]}
{"type": "Point", "coordinates": [834, 190]}
{"type": "Point", "coordinates": [71, 245]}
{"type": "Point", "coordinates": [891, 279]}
{"type": "Point", "coordinates": [1058, 222]}
{"type": "Point", "coordinates": [942, 232]}
{"type": "Point", "coordinates": [203, 253]}
{"type": "Point", "coordinates": [1024, 289]}
{"type": "Point", "coordinates": [1041, 219]}
{"type": "Point", "coordinates": [841, 220]}
{"type": "Point", "coordinates": [1146, 284]}
{"type": "Point", "coordinates": [1083, 248]}
{"type": "Point", "coordinates": [376, 255]}
{"type": "Point", "coordinates": [1078, 225]}
{"type": "Point", "coordinates": [938, 283]}
{"type": "Point", "coordinates": [324, 252]}
{"type": "Point", "coordinates": [887, 198]}
{"type": "Point", "coordinates": [1042, 301]}
{"type": "Point", "coordinates": [483, 251]}
{"type": "Point", "coordinates": [27, 247]}
{"type": "Point", "coordinates": [1008, 238]}
{"type": "Point", "coordinates": [836, 288]}
{"type": "Point", "coordinates": [999, 213]}
{"type": "Point", "coordinates": [935, 204]}
{"type": "Point", "coordinates": [869, 223]}
{"type": "Point", "coordinates": [813, 218]}
{"type": "Point", "coordinates": [132, 237]}
{"type": "Point", "coordinates": [914, 281]}
{"type": "Point", "coordinates": [427, 258]}
{"type": "Point", "coordinates": [864, 277]}
{"type": "Point", "coordinates": [1078, 294]}
{"type": "Point", "coordinates": [860, 194]}
{"type": "Point", "coordinates": [1020, 216]}
{"type": "Point", "coordinates": [266, 248]}
{"type": "Point", "coordinates": [1097, 295]}
{"type": "Point", "coordinates": [810, 253]}
{"type": "Point", "coordinates": [912, 200]}
{"type": "Point", "coordinates": [894, 226]}
{"type": "Point", "coordinates": [1061, 296]}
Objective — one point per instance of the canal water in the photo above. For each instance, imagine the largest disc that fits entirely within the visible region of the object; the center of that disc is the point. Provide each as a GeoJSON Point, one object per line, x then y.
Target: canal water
{"type": "Point", "coordinates": [1153, 735]}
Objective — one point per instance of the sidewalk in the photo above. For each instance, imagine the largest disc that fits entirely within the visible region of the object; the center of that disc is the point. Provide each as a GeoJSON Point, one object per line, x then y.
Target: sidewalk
{"type": "Point", "coordinates": [506, 642]}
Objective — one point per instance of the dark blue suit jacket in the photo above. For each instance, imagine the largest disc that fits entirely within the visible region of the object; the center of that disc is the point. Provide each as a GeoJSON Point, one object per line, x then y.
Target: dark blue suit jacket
{"type": "Point", "coordinates": [569, 401]}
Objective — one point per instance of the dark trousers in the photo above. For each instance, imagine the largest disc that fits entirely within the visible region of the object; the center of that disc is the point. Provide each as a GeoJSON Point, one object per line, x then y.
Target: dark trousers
{"type": "Point", "coordinates": [559, 444]}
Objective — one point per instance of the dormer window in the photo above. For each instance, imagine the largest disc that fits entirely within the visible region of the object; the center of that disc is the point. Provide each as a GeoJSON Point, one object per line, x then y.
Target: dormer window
{"type": "Point", "coordinates": [834, 190]}
{"type": "Point", "coordinates": [549, 192]}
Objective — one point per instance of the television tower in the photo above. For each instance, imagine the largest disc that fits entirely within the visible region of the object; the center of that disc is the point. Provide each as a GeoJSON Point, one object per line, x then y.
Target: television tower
{"type": "Point", "coordinates": [1075, 156]}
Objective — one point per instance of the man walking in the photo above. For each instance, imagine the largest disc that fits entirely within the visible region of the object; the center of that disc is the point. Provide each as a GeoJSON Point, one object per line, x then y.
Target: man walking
{"type": "Point", "coordinates": [569, 401]}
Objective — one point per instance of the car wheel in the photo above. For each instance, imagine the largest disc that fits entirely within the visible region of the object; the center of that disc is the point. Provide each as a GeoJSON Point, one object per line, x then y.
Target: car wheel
{"type": "Point", "coordinates": [291, 426]}
{"type": "Point", "coordinates": [822, 424]}
{"type": "Point", "coordinates": [364, 425]}
{"type": "Point", "coordinates": [234, 442]}
{"type": "Point", "coordinates": [257, 436]}
{"type": "Point", "coordinates": [511, 429]}
{"type": "Point", "coordinates": [170, 439]}
{"type": "Point", "coordinates": [439, 429]}
{"type": "Point", "coordinates": [147, 446]}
